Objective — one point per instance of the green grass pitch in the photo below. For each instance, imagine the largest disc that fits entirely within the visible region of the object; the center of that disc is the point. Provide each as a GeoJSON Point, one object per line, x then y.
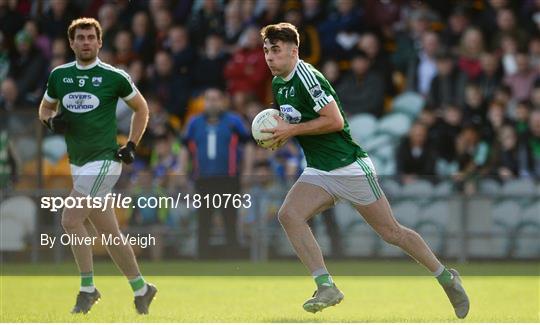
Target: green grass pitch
{"type": "Point", "coordinates": [247, 292]}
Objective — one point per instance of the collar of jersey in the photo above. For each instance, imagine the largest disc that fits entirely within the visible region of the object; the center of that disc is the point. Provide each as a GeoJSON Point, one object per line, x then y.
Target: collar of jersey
{"type": "Point", "coordinates": [87, 67]}
{"type": "Point", "coordinates": [289, 77]}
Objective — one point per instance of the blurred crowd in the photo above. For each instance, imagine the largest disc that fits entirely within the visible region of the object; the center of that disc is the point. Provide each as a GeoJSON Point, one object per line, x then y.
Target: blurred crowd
{"type": "Point", "coordinates": [476, 63]}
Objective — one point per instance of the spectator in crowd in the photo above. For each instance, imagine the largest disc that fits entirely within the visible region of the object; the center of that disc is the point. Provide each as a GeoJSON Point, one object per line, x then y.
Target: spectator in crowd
{"type": "Point", "coordinates": [272, 13]}
{"type": "Point", "coordinates": [474, 111]}
{"type": "Point", "coordinates": [26, 65]}
{"type": "Point", "coordinates": [444, 134]}
{"type": "Point", "coordinates": [9, 95]}
{"type": "Point", "coordinates": [108, 18]}
{"type": "Point", "coordinates": [495, 119]}
{"type": "Point", "coordinates": [165, 160]}
{"type": "Point", "coordinates": [330, 69]}
{"type": "Point", "coordinates": [535, 95]}
{"type": "Point", "coordinates": [534, 53]}
{"type": "Point", "coordinates": [143, 38]}
{"type": "Point", "coordinates": [215, 141]}
{"type": "Point", "coordinates": [57, 19]}
{"type": "Point", "coordinates": [448, 85]}
{"type": "Point", "coordinates": [138, 75]}
{"type": "Point", "coordinates": [59, 49]}
{"type": "Point", "coordinates": [504, 153]}
{"type": "Point", "coordinates": [168, 86]}
{"type": "Point", "coordinates": [9, 161]}
{"type": "Point", "coordinates": [529, 148]}
{"type": "Point", "coordinates": [233, 24]}
{"type": "Point", "coordinates": [471, 48]}
{"type": "Point", "coordinates": [509, 49]}
{"type": "Point", "coordinates": [407, 42]}
{"type": "Point", "coordinates": [246, 72]}
{"type": "Point", "coordinates": [123, 49]}
{"type": "Point", "coordinates": [313, 12]}
{"type": "Point", "coordinates": [422, 68]}
{"type": "Point", "coordinates": [362, 89]}
{"type": "Point", "coordinates": [458, 22]}
{"type": "Point", "coordinates": [415, 157]}
{"type": "Point", "coordinates": [472, 153]}
{"type": "Point", "coordinates": [310, 51]}
{"type": "Point", "coordinates": [523, 109]}
{"type": "Point", "coordinates": [506, 25]}
{"type": "Point", "coordinates": [341, 30]}
{"type": "Point", "coordinates": [503, 94]}
{"type": "Point", "coordinates": [210, 67]}
{"type": "Point", "coordinates": [522, 81]}
{"type": "Point", "coordinates": [184, 59]}
{"type": "Point", "coordinates": [162, 22]}
{"type": "Point", "coordinates": [12, 20]}
{"type": "Point", "coordinates": [41, 41]}
{"type": "Point", "coordinates": [370, 43]}
{"type": "Point", "coordinates": [491, 75]}
{"type": "Point", "coordinates": [158, 118]}
{"type": "Point", "coordinates": [4, 58]}
{"type": "Point", "coordinates": [208, 19]}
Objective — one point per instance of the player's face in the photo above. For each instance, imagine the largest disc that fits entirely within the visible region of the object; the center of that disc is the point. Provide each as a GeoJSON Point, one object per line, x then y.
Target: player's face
{"type": "Point", "coordinates": [85, 44]}
{"type": "Point", "coordinates": [280, 57]}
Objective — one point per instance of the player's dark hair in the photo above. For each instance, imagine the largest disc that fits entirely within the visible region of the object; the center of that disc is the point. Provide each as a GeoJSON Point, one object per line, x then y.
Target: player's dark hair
{"type": "Point", "coordinates": [284, 32]}
{"type": "Point", "coordinates": [84, 23]}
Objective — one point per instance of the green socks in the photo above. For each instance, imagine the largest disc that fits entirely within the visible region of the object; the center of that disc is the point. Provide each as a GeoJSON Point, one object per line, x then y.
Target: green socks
{"type": "Point", "coordinates": [445, 278]}
{"type": "Point", "coordinates": [324, 280]}
{"type": "Point", "coordinates": [138, 285]}
{"type": "Point", "coordinates": [87, 282]}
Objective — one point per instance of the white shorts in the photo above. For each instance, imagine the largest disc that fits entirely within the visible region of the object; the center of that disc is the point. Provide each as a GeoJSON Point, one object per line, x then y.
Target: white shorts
{"type": "Point", "coordinates": [356, 183]}
{"type": "Point", "coordinates": [96, 178]}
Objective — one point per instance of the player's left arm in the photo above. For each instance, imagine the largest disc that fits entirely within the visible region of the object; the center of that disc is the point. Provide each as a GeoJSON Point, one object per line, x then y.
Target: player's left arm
{"type": "Point", "coordinates": [139, 120]}
{"type": "Point", "coordinates": [329, 120]}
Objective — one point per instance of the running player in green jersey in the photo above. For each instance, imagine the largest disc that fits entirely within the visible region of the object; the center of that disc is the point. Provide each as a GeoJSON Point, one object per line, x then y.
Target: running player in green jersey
{"type": "Point", "coordinates": [337, 169]}
{"type": "Point", "coordinates": [80, 102]}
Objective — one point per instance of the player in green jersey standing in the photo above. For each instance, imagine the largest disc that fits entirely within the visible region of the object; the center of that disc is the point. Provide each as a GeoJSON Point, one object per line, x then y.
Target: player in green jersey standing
{"type": "Point", "coordinates": [80, 102]}
{"type": "Point", "coordinates": [337, 169]}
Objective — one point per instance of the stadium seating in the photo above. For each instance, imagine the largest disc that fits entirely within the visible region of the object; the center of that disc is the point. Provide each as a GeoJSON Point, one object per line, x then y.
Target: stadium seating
{"type": "Point", "coordinates": [395, 124]}
{"type": "Point", "coordinates": [362, 126]}
{"type": "Point", "coordinates": [18, 217]}
{"type": "Point", "coordinates": [410, 103]}
{"type": "Point", "coordinates": [54, 148]}
{"type": "Point", "coordinates": [489, 186]}
{"type": "Point", "coordinates": [523, 187]}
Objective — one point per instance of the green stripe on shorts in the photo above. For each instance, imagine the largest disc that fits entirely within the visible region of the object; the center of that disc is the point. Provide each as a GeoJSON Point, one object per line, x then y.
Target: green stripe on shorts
{"type": "Point", "coordinates": [101, 177]}
{"type": "Point", "coordinates": [371, 179]}
{"type": "Point", "coordinates": [97, 178]}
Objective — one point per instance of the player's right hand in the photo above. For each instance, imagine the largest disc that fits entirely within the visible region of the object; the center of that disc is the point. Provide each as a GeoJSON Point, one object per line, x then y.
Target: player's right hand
{"type": "Point", "coordinates": [57, 124]}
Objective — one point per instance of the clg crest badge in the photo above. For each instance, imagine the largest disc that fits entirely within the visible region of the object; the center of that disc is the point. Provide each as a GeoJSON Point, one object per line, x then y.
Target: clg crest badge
{"type": "Point", "coordinates": [96, 81]}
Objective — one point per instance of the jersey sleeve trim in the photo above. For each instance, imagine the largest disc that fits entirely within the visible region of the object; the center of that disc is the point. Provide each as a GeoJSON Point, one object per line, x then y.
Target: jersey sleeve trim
{"type": "Point", "coordinates": [130, 96]}
{"type": "Point", "coordinates": [49, 98]}
{"type": "Point", "coordinates": [313, 87]}
{"type": "Point", "coordinates": [124, 75]}
{"type": "Point", "coordinates": [323, 102]}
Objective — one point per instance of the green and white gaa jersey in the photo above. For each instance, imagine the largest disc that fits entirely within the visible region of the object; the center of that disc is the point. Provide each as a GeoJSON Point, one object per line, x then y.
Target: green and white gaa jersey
{"type": "Point", "coordinates": [88, 96]}
{"type": "Point", "coordinates": [299, 97]}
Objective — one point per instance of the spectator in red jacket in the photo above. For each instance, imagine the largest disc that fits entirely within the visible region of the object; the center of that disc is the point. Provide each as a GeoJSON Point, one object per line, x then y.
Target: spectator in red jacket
{"type": "Point", "coordinates": [246, 72]}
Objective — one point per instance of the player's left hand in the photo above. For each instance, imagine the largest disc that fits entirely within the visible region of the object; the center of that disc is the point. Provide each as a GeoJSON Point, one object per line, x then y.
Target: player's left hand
{"type": "Point", "coordinates": [281, 133]}
{"type": "Point", "coordinates": [126, 153]}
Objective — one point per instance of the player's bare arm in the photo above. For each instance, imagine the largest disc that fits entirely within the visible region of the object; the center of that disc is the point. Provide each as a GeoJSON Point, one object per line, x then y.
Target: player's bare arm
{"type": "Point", "coordinates": [330, 120]}
{"type": "Point", "coordinates": [47, 110]}
{"type": "Point", "coordinates": [139, 120]}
